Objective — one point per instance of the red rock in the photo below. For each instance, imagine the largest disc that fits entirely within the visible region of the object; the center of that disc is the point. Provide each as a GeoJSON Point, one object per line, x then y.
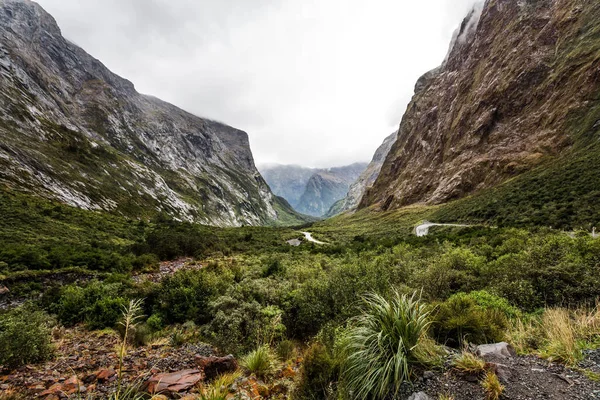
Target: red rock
{"type": "Point", "coordinates": [173, 382]}
{"type": "Point", "coordinates": [212, 367]}
{"type": "Point", "coordinates": [105, 375]}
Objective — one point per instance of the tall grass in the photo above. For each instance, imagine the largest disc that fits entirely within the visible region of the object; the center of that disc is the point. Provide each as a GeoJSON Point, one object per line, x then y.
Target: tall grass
{"type": "Point", "coordinates": [260, 362]}
{"type": "Point", "coordinates": [382, 344]}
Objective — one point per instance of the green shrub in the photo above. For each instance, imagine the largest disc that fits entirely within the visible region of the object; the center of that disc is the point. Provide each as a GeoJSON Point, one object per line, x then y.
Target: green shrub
{"type": "Point", "coordinates": [155, 323]}
{"type": "Point", "coordinates": [260, 362]}
{"type": "Point", "coordinates": [273, 267]}
{"type": "Point", "coordinates": [382, 344]}
{"type": "Point", "coordinates": [461, 319]}
{"type": "Point", "coordinates": [186, 295]}
{"type": "Point", "coordinates": [319, 374]}
{"type": "Point", "coordinates": [25, 337]}
{"type": "Point", "coordinates": [98, 304]}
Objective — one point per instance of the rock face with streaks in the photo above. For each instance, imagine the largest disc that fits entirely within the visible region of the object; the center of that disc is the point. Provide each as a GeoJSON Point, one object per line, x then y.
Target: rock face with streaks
{"type": "Point", "coordinates": [365, 180]}
{"type": "Point", "coordinates": [500, 104]}
{"type": "Point", "coordinates": [72, 130]}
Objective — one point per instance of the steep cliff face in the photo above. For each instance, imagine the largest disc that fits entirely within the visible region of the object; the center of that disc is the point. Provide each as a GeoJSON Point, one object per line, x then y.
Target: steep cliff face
{"type": "Point", "coordinates": [326, 187]}
{"type": "Point", "coordinates": [503, 102]}
{"type": "Point", "coordinates": [72, 130]}
{"type": "Point", "coordinates": [364, 181]}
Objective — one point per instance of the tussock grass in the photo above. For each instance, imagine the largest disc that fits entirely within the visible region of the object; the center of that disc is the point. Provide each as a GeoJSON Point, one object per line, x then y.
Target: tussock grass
{"type": "Point", "coordinates": [492, 386]}
{"type": "Point", "coordinates": [382, 344]}
{"type": "Point", "coordinates": [560, 337]}
{"type": "Point", "coordinates": [469, 363]}
{"type": "Point", "coordinates": [260, 362]}
{"type": "Point", "coordinates": [218, 389]}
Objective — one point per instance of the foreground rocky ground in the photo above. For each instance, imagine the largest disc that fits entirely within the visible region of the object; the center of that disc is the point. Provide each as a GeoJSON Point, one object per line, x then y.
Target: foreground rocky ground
{"type": "Point", "coordinates": [87, 364]}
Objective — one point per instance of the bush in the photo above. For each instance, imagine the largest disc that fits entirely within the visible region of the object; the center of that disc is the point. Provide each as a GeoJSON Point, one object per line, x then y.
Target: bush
{"type": "Point", "coordinates": [155, 323]}
{"type": "Point", "coordinates": [186, 295]}
{"type": "Point", "coordinates": [319, 374]}
{"type": "Point", "coordinates": [461, 319]}
{"type": "Point", "coordinates": [260, 362]}
{"type": "Point", "coordinates": [25, 337]}
{"type": "Point", "coordinates": [382, 344]}
{"type": "Point", "coordinates": [98, 304]}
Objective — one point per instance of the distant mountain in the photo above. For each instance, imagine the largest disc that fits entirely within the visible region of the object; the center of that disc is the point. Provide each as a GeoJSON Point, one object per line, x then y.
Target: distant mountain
{"type": "Point", "coordinates": [72, 130]}
{"type": "Point", "coordinates": [326, 187]}
{"type": "Point", "coordinates": [287, 181]}
{"type": "Point", "coordinates": [365, 181]}
{"type": "Point", "coordinates": [311, 191]}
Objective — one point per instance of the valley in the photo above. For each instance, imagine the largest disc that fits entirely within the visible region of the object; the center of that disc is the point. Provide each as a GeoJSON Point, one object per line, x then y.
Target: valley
{"type": "Point", "coordinates": [144, 256]}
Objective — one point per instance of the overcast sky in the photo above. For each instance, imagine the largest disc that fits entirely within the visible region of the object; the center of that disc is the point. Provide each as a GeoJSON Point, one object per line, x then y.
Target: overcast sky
{"type": "Point", "coordinates": [314, 82]}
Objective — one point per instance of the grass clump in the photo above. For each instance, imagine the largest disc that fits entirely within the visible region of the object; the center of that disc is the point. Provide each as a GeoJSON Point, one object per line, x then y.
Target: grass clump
{"type": "Point", "coordinates": [561, 343]}
{"type": "Point", "coordinates": [25, 337]}
{"type": "Point", "coordinates": [218, 389]}
{"type": "Point", "coordinates": [492, 386]}
{"type": "Point", "coordinates": [260, 362]}
{"type": "Point", "coordinates": [382, 344]}
{"type": "Point", "coordinates": [469, 363]}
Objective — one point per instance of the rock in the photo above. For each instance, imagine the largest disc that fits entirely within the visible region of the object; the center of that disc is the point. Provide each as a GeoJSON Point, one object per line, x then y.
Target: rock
{"type": "Point", "coordinates": [3, 290]}
{"type": "Point", "coordinates": [428, 375]}
{"type": "Point", "coordinates": [215, 366]}
{"type": "Point", "coordinates": [106, 375]}
{"type": "Point", "coordinates": [501, 350]}
{"type": "Point", "coordinates": [419, 396]}
{"type": "Point", "coordinates": [173, 382]}
{"type": "Point", "coordinates": [503, 372]}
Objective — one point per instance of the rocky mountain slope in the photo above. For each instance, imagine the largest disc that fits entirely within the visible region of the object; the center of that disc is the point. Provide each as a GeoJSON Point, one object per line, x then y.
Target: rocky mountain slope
{"type": "Point", "coordinates": [287, 181]}
{"type": "Point", "coordinates": [518, 93]}
{"type": "Point", "coordinates": [72, 130]}
{"type": "Point", "coordinates": [365, 180]}
{"type": "Point", "coordinates": [326, 187]}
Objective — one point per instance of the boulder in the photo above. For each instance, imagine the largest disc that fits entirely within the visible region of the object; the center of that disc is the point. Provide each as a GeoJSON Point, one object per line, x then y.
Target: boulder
{"type": "Point", "coordinates": [499, 350]}
{"type": "Point", "coordinates": [419, 396]}
{"type": "Point", "coordinates": [171, 383]}
{"type": "Point", "coordinates": [212, 366]}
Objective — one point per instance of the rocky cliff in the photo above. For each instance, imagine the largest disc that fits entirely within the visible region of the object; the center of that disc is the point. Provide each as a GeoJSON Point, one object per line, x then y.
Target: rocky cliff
{"type": "Point", "coordinates": [516, 91]}
{"type": "Point", "coordinates": [326, 187]}
{"type": "Point", "coordinates": [73, 130]}
{"type": "Point", "coordinates": [364, 181]}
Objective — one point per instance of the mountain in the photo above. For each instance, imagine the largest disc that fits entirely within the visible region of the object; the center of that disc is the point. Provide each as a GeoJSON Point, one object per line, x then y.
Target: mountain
{"type": "Point", "coordinates": [515, 107]}
{"type": "Point", "coordinates": [72, 130]}
{"type": "Point", "coordinates": [287, 181]}
{"type": "Point", "coordinates": [325, 187]}
{"type": "Point", "coordinates": [364, 181]}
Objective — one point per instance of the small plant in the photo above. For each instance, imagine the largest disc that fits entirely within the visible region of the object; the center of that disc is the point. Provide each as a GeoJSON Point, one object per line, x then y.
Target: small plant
{"type": "Point", "coordinates": [382, 344]}
{"type": "Point", "coordinates": [260, 362]}
{"type": "Point", "coordinates": [320, 371]}
{"type": "Point", "coordinates": [469, 363]}
{"type": "Point", "coordinates": [218, 389]}
{"type": "Point", "coordinates": [560, 337]}
{"type": "Point", "coordinates": [286, 350]}
{"type": "Point", "coordinates": [132, 314]}
{"type": "Point", "coordinates": [446, 397]}
{"type": "Point", "coordinates": [492, 386]}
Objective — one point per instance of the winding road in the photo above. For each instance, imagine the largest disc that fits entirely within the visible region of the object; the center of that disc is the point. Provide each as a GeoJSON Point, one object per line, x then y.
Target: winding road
{"type": "Point", "coordinates": [423, 229]}
{"type": "Point", "coordinates": [308, 236]}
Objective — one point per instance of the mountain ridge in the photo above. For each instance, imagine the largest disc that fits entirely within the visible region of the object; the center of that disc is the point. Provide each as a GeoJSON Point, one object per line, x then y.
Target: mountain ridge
{"type": "Point", "coordinates": [75, 131]}
{"type": "Point", "coordinates": [492, 112]}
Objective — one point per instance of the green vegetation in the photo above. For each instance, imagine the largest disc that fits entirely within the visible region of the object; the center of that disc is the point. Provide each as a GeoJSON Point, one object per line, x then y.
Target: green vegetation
{"type": "Point", "coordinates": [260, 362]}
{"type": "Point", "coordinates": [25, 337]}
{"type": "Point", "coordinates": [382, 344]}
{"type": "Point", "coordinates": [253, 295]}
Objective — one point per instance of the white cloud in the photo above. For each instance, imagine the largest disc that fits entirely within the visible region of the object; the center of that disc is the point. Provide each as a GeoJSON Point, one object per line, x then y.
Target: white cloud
{"type": "Point", "coordinates": [313, 82]}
